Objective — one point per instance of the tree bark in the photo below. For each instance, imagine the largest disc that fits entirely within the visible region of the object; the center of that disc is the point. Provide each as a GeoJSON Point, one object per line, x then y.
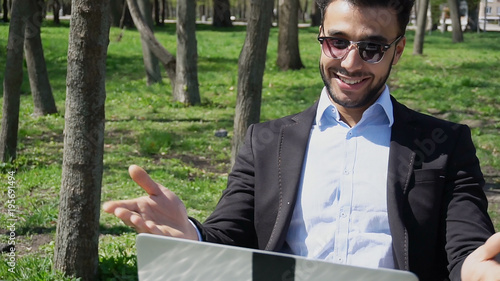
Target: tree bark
{"type": "Point", "coordinates": [56, 6]}
{"type": "Point", "coordinates": [418, 44]}
{"type": "Point", "coordinates": [186, 82]}
{"type": "Point", "coordinates": [251, 67]}
{"type": "Point", "coordinates": [12, 81]}
{"type": "Point", "coordinates": [288, 38]}
{"type": "Point", "coordinates": [473, 18]}
{"type": "Point", "coordinates": [167, 59]}
{"type": "Point", "coordinates": [163, 9]}
{"type": "Point", "coordinates": [222, 14]}
{"type": "Point", "coordinates": [116, 7]}
{"type": "Point", "coordinates": [77, 238]}
{"type": "Point", "coordinates": [156, 9]}
{"type": "Point", "coordinates": [151, 65]}
{"type": "Point", "coordinates": [315, 14]}
{"type": "Point", "coordinates": [35, 60]}
{"type": "Point", "coordinates": [455, 22]}
{"type": "Point", "coordinates": [5, 8]}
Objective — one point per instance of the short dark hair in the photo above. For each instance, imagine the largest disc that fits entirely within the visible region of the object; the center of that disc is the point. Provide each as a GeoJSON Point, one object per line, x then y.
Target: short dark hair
{"type": "Point", "coordinates": [401, 7]}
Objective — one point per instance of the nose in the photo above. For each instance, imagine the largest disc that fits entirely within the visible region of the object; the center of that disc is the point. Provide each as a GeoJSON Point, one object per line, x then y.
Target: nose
{"type": "Point", "coordinates": [351, 60]}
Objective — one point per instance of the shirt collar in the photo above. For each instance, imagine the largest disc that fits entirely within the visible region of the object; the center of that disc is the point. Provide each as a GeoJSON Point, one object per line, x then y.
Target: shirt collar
{"type": "Point", "coordinates": [324, 104]}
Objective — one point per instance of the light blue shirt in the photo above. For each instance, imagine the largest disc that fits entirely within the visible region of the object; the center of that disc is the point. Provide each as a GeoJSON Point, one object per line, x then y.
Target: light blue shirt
{"type": "Point", "coordinates": [341, 210]}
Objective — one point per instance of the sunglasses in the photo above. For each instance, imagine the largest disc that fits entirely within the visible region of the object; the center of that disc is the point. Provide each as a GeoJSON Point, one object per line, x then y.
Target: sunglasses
{"type": "Point", "coordinates": [371, 52]}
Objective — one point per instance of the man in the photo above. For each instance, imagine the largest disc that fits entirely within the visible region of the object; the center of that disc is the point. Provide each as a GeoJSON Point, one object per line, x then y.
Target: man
{"type": "Point", "coordinates": [357, 178]}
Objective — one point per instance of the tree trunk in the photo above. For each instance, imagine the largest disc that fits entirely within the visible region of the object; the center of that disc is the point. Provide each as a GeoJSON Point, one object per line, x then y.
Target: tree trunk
{"type": "Point", "coordinates": [56, 7]}
{"type": "Point", "coordinates": [12, 81]}
{"type": "Point", "coordinates": [304, 11]}
{"type": "Point", "coordinates": [167, 59]}
{"type": "Point", "coordinates": [455, 21]}
{"type": "Point", "coordinates": [315, 14]}
{"type": "Point", "coordinates": [156, 9]}
{"type": "Point", "coordinates": [186, 82]}
{"type": "Point", "coordinates": [418, 45]}
{"type": "Point", "coordinates": [251, 67]}
{"type": "Point", "coordinates": [163, 3]}
{"type": "Point", "coordinates": [222, 14]}
{"type": "Point", "coordinates": [116, 7]}
{"type": "Point", "coordinates": [288, 38]}
{"type": "Point", "coordinates": [77, 238]}
{"type": "Point", "coordinates": [473, 18]}
{"type": "Point", "coordinates": [151, 65]}
{"type": "Point", "coordinates": [5, 8]}
{"type": "Point", "coordinates": [37, 68]}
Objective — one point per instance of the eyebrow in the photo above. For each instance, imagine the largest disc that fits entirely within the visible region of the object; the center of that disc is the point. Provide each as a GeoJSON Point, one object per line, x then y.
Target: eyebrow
{"type": "Point", "coordinates": [370, 38]}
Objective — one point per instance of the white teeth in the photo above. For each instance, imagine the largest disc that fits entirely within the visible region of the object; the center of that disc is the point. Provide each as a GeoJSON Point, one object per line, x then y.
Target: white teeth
{"type": "Point", "coordinates": [350, 82]}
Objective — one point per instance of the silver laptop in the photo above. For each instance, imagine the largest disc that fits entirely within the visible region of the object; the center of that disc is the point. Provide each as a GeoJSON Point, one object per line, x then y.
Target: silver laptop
{"type": "Point", "coordinates": [166, 258]}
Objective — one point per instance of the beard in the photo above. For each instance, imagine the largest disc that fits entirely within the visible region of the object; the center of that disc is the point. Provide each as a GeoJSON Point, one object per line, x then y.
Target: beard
{"type": "Point", "coordinates": [367, 99]}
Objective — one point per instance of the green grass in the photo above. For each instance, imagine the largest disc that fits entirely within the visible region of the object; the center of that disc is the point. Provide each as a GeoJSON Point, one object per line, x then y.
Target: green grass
{"type": "Point", "coordinates": [176, 144]}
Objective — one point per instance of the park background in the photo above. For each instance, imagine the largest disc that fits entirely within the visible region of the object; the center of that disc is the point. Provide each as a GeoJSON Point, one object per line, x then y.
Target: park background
{"type": "Point", "coordinates": [177, 143]}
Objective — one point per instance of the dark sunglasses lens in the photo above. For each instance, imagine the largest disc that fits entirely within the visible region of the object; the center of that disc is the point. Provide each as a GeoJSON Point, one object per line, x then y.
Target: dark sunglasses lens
{"type": "Point", "coordinates": [370, 52]}
{"type": "Point", "coordinates": [335, 48]}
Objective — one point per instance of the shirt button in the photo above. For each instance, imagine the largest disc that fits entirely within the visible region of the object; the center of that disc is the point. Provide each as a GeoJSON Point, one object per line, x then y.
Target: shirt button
{"type": "Point", "coordinates": [346, 172]}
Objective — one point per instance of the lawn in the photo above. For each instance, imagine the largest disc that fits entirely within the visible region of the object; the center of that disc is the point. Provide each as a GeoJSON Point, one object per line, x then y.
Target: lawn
{"type": "Point", "coordinates": [177, 145]}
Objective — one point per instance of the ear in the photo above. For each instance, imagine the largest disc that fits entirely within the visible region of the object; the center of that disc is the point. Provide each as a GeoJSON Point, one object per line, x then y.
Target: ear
{"type": "Point", "coordinates": [399, 50]}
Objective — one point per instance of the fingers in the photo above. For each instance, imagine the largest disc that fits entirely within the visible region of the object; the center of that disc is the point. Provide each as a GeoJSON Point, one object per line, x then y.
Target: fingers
{"type": "Point", "coordinates": [142, 178]}
{"type": "Point", "coordinates": [138, 222]}
{"type": "Point", "coordinates": [111, 206]}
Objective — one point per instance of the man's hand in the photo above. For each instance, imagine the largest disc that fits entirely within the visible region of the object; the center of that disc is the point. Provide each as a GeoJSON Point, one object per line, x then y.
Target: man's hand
{"type": "Point", "coordinates": [484, 262]}
{"type": "Point", "coordinates": [161, 212]}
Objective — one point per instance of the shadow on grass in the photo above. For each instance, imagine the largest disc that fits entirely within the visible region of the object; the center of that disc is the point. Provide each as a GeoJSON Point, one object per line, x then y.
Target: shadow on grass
{"type": "Point", "coordinates": [115, 230]}
{"type": "Point", "coordinates": [118, 268]}
{"type": "Point", "coordinates": [216, 64]}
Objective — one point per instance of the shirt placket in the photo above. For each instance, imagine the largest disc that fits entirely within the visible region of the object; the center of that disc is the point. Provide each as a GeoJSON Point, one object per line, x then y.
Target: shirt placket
{"type": "Point", "coordinates": [345, 199]}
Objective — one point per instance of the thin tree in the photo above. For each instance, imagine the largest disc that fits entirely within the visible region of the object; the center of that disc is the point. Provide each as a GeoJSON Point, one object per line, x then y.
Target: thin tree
{"type": "Point", "coordinates": [186, 82]}
{"type": "Point", "coordinates": [315, 14]}
{"type": "Point", "coordinates": [166, 58]}
{"type": "Point", "coordinates": [418, 44]}
{"type": "Point", "coordinates": [222, 14]}
{"type": "Point", "coordinates": [56, 6]}
{"type": "Point", "coordinates": [156, 9]}
{"type": "Point", "coordinates": [288, 38]}
{"type": "Point", "coordinates": [116, 7]}
{"type": "Point", "coordinates": [76, 250]}
{"type": "Point", "coordinates": [251, 65]}
{"type": "Point", "coordinates": [5, 8]}
{"type": "Point", "coordinates": [12, 81]}
{"type": "Point", "coordinates": [473, 15]}
{"type": "Point", "coordinates": [35, 61]}
{"type": "Point", "coordinates": [457, 35]}
{"type": "Point", "coordinates": [151, 65]}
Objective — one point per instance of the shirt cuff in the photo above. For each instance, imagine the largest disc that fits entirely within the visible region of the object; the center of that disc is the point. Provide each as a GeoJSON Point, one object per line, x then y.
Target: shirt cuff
{"type": "Point", "coordinates": [197, 230]}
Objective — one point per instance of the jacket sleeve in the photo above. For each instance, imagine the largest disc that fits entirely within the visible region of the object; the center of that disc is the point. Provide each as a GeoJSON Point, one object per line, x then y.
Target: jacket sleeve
{"type": "Point", "coordinates": [468, 224]}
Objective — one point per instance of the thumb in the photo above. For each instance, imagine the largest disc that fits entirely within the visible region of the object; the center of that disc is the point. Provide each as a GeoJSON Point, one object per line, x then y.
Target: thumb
{"type": "Point", "coordinates": [491, 247]}
{"type": "Point", "coordinates": [141, 177]}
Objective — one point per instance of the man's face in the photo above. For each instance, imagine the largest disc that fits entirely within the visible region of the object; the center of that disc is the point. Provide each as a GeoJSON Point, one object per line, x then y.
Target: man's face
{"type": "Point", "coordinates": [351, 81]}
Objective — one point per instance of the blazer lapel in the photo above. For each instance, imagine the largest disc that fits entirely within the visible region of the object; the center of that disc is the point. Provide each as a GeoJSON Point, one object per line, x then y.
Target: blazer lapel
{"type": "Point", "coordinates": [401, 161]}
{"type": "Point", "coordinates": [293, 144]}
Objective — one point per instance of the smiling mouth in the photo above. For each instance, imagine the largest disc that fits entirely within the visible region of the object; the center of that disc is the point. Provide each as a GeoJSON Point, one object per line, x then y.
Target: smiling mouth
{"type": "Point", "coordinates": [349, 81]}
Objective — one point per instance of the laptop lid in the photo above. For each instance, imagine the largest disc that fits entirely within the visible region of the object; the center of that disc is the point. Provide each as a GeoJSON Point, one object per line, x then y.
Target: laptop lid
{"type": "Point", "coordinates": [167, 258]}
